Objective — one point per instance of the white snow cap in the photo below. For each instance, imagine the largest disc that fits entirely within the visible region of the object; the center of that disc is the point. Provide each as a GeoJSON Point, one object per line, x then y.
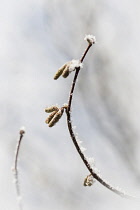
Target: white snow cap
{"type": "Point", "coordinates": [75, 64]}
{"type": "Point", "coordinates": [90, 39]}
{"type": "Point", "coordinates": [22, 130]}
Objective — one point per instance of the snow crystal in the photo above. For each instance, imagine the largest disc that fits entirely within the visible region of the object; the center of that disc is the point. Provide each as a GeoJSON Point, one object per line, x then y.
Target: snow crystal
{"type": "Point", "coordinates": [83, 149]}
{"type": "Point", "coordinates": [75, 64]}
{"type": "Point", "coordinates": [74, 127]}
{"type": "Point", "coordinates": [79, 141]}
{"type": "Point", "coordinates": [91, 161]}
{"type": "Point", "coordinates": [96, 170]}
{"type": "Point", "coordinates": [90, 39]}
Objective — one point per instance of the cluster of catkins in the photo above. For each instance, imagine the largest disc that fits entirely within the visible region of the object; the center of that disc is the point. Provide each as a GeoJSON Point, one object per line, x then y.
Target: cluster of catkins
{"type": "Point", "coordinates": [64, 71]}
{"type": "Point", "coordinates": [67, 68]}
{"type": "Point", "coordinates": [56, 114]}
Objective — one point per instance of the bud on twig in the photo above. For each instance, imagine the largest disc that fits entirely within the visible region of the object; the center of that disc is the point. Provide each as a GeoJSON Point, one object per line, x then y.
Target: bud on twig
{"type": "Point", "coordinates": [22, 130]}
{"type": "Point", "coordinates": [89, 180]}
{"type": "Point", "coordinates": [90, 39]}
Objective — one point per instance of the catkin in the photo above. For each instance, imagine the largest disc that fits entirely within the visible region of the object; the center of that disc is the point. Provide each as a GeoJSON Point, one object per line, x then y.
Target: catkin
{"type": "Point", "coordinates": [51, 109]}
{"type": "Point", "coordinates": [66, 72]}
{"type": "Point", "coordinates": [56, 118]}
{"type": "Point", "coordinates": [50, 117]}
{"type": "Point", "coordinates": [60, 71]}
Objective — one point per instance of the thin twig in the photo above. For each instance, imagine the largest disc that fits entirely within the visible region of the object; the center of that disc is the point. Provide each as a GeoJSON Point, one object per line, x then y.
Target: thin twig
{"type": "Point", "coordinates": [69, 123]}
{"type": "Point", "coordinates": [75, 78]}
{"type": "Point", "coordinates": [15, 168]}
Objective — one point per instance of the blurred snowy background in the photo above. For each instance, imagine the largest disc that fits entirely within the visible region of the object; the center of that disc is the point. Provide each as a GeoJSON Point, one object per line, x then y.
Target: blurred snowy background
{"type": "Point", "coordinates": [36, 38]}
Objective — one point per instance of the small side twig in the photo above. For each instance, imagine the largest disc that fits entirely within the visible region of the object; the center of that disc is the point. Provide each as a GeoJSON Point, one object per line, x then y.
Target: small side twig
{"type": "Point", "coordinates": [15, 167]}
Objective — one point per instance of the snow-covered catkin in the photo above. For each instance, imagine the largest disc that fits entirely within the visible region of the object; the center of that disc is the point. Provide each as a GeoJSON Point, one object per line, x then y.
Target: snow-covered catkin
{"type": "Point", "coordinates": [51, 109]}
{"type": "Point", "coordinates": [60, 71]}
{"type": "Point", "coordinates": [90, 39]}
{"type": "Point", "coordinates": [56, 118]}
{"type": "Point", "coordinates": [49, 118]}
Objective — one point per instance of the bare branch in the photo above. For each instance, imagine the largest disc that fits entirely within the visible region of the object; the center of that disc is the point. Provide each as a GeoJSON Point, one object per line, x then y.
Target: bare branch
{"type": "Point", "coordinates": [76, 65]}
{"type": "Point", "coordinates": [15, 168]}
{"type": "Point", "coordinates": [94, 174]}
{"type": "Point", "coordinates": [69, 123]}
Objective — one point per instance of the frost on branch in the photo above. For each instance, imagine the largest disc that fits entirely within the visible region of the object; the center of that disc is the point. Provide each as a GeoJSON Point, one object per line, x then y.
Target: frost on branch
{"type": "Point", "coordinates": [90, 39]}
{"type": "Point", "coordinates": [64, 71]}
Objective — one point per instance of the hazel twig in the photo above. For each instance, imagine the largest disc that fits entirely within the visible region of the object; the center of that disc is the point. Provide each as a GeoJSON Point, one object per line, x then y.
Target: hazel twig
{"type": "Point", "coordinates": [69, 123]}
{"type": "Point", "coordinates": [15, 168]}
{"type": "Point", "coordinates": [76, 65]}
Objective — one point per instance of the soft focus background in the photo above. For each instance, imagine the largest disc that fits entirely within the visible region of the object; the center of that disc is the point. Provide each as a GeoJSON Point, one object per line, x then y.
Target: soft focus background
{"type": "Point", "coordinates": [36, 38]}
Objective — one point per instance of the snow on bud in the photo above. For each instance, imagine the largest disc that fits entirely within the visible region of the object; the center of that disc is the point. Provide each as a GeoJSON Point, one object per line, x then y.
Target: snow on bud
{"type": "Point", "coordinates": [56, 117]}
{"type": "Point", "coordinates": [90, 39]}
{"type": "Point", "coordinates": [22, 130]}
{"type": "Point", "coordinates": [89, 180]}
{"type": "Point", "coordinates": [75, 64]}
{"type": "Point", "coordinates": [51, 109]}
{"type": "Point", "coordinates": [65, 106]}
